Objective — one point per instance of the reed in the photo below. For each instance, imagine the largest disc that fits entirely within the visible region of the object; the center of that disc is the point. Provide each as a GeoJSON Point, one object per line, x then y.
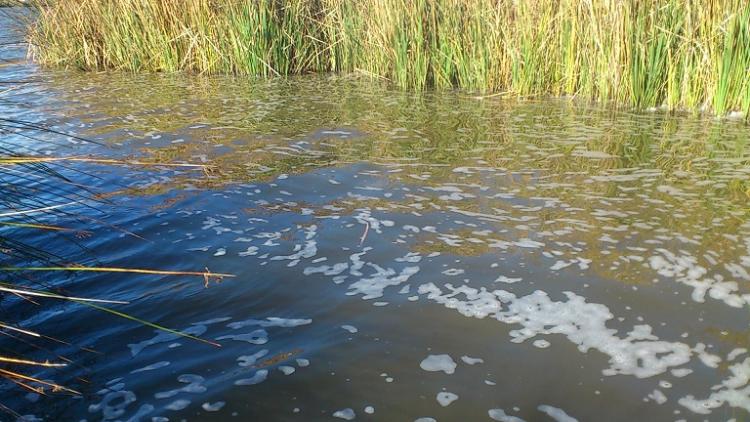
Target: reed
{"type": "Point", "coordinates": [33, 189]}
{"type": "Point", "coordinates": [678, 54]}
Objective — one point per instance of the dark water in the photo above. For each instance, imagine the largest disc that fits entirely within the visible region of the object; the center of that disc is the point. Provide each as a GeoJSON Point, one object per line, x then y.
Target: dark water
{"type": "Point", "coordinates": [398, 256]}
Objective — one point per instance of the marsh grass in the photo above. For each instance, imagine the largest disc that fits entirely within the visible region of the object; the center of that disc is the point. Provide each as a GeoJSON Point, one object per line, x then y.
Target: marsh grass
{"type": "Point", "coordinates": [679, 54]}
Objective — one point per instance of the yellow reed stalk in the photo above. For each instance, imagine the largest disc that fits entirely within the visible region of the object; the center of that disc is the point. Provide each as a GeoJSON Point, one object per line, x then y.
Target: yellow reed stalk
{"type": "Point", "coordinates": [53, 386]}
{"type": "Point", "coordinates": [45, 364]}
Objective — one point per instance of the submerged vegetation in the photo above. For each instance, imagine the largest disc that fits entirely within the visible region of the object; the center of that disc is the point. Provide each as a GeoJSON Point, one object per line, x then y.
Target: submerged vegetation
{"type": "Point", "coordinates": [679, 54]}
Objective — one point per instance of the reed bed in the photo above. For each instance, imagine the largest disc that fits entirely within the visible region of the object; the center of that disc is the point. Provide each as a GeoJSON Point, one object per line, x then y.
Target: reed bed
{"type": "Point", "coordinates": [677, 54]}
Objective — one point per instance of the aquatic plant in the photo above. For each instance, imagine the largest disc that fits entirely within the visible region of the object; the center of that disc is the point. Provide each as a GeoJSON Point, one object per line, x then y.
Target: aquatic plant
{"type": "Point", "coordinates": [679, 54]}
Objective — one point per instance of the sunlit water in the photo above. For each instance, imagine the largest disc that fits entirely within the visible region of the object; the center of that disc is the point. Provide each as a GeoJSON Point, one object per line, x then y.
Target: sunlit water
{"type": "Point", "coordinates": [398, 256]}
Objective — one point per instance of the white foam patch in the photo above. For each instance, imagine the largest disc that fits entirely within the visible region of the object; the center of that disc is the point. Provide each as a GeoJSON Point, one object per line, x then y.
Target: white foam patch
{"type": "Point", "coordinates": [445, 398]}
{"type": "Point", "coordinates": [162, 337]}
{"type": "Point", "coordinates": [271, 322]}
{"type": "Point", "coordinates": [250, 251]}
{"type": "Point", "coordinates": [638, 353]}
{"type": "Point", "coordinates": [411, 257]}
{"type": "Point", "coordinates": [684, 268]}
{"type": "Point", "coordinates": [142, 411]}
{"type": "Point", "coordinates": [113, 404]}
{"type": "Point", "coordinates": [471, 361]}
{"type": "Point", "coordinates": [557, 414]}
{"type": "Point", "coordinates": [734, 391]}
{"type": "Point", "coordinates": [259, 336]}
{"type": "Point", "coordinates": [501, 416]}
{"type": "Point", "coordinates": [372, 287]}
{"type": "Point", "coordinates": [249, 360]}
{"type": "Point", "coordinates": [178, 404]}
{"type": "Point", "coordinates": [435, 363]}
{"type": "Point", "coordinates": [350, 328]}
{"type": "Point", "coordinates": [304, 251]}
{"type": "Point", "coordinates": [194, 386]}
{"type": "Point", "coordinates": [328, 270]}
{"type": "Point", "coordinates": [257, 378]}
{"type": "Point", "coordinates": [213, 407]}
{"type": "Point", "coordinates": [345, 414]}
{"type": "Point", "coordinates": [735, 353]}
{"type": "Point", "coordinates": [541, 343]}
{"type": "Point", "coordinates": [151, 367]}
{"type": "Point", "coordinates": [507, 280]}
{"type": "Point", "coordinates": [658, 397]}
{"type": "Point", "coordinates": [286, 369]}
{"type": "Point", "coordinates": [453, 271]}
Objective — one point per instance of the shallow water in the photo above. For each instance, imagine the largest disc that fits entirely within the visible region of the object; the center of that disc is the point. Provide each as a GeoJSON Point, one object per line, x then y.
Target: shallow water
{"type": "Point", "coordinates": [398, 256]}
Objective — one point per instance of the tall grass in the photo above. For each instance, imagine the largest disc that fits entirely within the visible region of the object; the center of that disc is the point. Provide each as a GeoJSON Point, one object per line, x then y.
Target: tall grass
{"type": "Point", "coordinates": [677, 53]}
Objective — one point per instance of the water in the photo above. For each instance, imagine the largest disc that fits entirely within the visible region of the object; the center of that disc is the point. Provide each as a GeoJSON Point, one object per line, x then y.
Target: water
{"type": "Point", "coordinates": [397, 256]}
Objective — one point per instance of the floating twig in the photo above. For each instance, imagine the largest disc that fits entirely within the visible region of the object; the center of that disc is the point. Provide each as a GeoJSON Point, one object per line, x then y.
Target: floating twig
{"type": "Point", "coordinates": [203, 274]}
{"type": "Point", "coordinates": [364, 235]}
{"type": "Point", "coordinates": [39, 293]}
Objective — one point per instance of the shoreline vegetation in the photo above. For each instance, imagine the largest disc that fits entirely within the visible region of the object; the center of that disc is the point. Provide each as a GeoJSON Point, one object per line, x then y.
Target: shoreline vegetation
{"type": "Point", "coordinates": [672, 54]}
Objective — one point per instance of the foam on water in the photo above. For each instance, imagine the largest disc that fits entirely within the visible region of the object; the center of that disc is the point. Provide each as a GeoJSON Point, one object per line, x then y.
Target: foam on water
{"type": "Point", "coordinates": [178, 404]}
{"type": "Point", "coordinates": [213, 407]}
{"type": "Point", "coordinates": [153, 366]}
{"type": "Point", "coordinates": [350, 328]}
{"type": "Point", "coordinates": [557, 414]}
{"type": "Point", "coordinates": [500, 416]}
{"type": "Point", "coordinates": [346, 414]}
{"type": "Point", "coordinates": [638, 353]}
{"type": "Point", "coordinates": [734, 390]}
{"type": "Point", "coordinates": [445, 398]}
{"type": "Point", "coordinates": [271, 322]}
{"type": "Point", "coordinates": [435, 363]}
{"type": "Point", "coordinates": [259, 376]}
{"type": "Point", "coordinates": [471, 361]}
{"type": "Point", "coordinates": [259, 336]}
{"type": "Point", "coordinates": [162, 337]}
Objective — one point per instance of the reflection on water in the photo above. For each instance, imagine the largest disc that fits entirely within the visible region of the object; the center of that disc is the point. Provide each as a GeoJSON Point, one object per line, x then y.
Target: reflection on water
{"type": "Point", "coordinates": [399, 256]}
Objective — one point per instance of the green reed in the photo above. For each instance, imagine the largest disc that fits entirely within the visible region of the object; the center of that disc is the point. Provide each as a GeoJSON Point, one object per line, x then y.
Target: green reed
{"type": "Point", "coordinates": [681, 54]}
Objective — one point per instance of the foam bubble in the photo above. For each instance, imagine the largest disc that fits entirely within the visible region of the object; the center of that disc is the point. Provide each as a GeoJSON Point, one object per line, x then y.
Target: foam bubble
{"type": "Point", "coordinates": [178, 404]}
{"type": "Point", "coordinates": [471, 361]}
{"type": "Point", "coordinates": [350, 328]}
{"type": "Point", "coordinates": [435, 363]}
{"type": "Point", "coordinates": [151, 367]}
{"type": "Point", "coordinates": [446, 398]}
{"type": "Point", "coordinates": [213, 407]}
{"type": "Point", "coordinates": [346, 414]}
{"type": "Point", "coordinates": [287, 370]}
{"type": "Point", "coordinates": [501, 416]}
{"type": "Point", "coordinates": [557, 414]}
{"type": "Point", "coordinates": [257, 378]}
